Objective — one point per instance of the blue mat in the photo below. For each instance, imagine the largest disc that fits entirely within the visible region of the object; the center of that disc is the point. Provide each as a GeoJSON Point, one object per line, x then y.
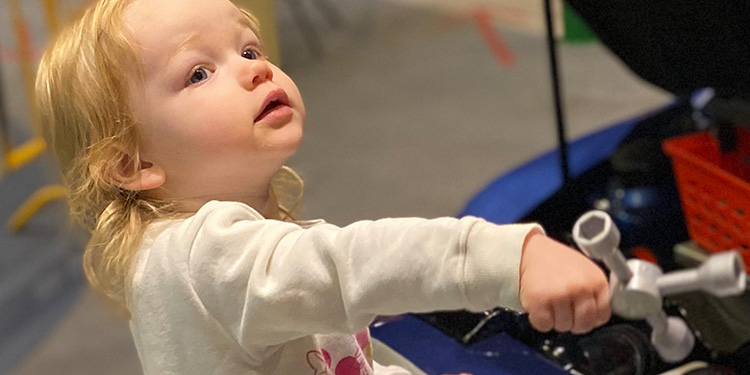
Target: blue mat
{"type": "Point", "coordinates": [436, 353]}
{"type": "Point", "coordinates": [513, 195]}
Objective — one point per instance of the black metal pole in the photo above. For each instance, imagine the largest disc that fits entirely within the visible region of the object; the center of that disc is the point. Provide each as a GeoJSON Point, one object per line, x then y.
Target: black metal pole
{"type": "Point", "coordinates": [552, 48]}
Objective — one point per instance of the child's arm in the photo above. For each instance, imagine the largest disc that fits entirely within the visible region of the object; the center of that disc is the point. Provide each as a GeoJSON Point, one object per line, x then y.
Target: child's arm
{"type": "Point", "coordinates": [270, 282]}
{"type": "Point", "coordinates": [561, 288]}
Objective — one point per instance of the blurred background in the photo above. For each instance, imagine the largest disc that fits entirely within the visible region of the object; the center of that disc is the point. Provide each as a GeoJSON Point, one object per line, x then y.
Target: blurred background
{"type": "Point", "coordinates": [413, 107]}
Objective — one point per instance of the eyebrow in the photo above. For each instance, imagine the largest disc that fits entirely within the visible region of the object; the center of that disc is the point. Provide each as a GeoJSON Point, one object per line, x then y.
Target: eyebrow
{"type": "Point", "coordinates": [190, 39]}
{"type": "Point", "coordinates": [243, 21]}
{"type": "Point", "coordinates": [182, 47]}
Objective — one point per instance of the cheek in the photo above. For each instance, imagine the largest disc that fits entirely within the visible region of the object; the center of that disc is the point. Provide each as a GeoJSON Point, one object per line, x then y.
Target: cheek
{"type": "Point", "coordinates": [196, 134]}
{"type": "Point", "coordinates": [221, 132]}
{"type": "Point", "coordinates": [212, 119]}
{"type": "Point", "coordinates": [291, 89]}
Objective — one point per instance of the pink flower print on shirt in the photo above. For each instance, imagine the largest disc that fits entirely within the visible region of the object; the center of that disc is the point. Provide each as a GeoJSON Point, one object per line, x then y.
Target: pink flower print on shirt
{"type": "Point", "coordinates": [363, 340]}
{"type": "Point", "coordinates": [351, 366]}
{"type": "Point", "coordinates": [320, 361]}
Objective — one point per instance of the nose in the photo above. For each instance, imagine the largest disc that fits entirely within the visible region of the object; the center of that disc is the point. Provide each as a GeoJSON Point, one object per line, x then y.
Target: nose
{"type": "Point", "coordinates": [255, 72]}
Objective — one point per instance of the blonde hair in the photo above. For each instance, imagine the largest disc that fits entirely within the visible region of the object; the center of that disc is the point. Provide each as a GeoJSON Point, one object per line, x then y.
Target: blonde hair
{"type": "Point", "coordinates": [82, 93]}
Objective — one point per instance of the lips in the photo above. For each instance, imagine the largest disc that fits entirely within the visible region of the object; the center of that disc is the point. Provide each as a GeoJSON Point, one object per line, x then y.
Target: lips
{"type": "Point", "coordinates": [275, 101]}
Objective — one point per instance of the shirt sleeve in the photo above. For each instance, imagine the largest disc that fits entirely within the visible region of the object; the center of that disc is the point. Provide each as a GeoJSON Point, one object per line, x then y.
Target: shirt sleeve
{"type": "Point", "coordinates": [268, 282]}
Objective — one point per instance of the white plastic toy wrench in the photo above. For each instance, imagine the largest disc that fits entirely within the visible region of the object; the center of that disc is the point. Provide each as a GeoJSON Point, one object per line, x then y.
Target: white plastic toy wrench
{"type": "Point", "coordinates": [638, 287]}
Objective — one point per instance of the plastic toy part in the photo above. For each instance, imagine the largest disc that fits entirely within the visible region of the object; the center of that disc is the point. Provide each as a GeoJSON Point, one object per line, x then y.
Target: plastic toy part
{"type": "Point", "coordinates": [671, 337]}
{"type": "Point", "coordinates": [722, 275]}
{"type": "Point", "coordinates": [599, 238]}
{"type": "Point", "coordinates": [638, 286]}
{"type": "Point", "coordinates": [640, 296]}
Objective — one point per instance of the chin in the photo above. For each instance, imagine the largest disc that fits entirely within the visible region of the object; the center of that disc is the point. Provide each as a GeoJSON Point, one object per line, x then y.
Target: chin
{"type": "Point", "coordinates": [289, 141]}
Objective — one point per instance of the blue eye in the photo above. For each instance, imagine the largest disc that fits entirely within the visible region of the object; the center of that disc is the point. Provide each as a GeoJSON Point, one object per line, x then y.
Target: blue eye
{"type": "Point", "coordinates": [249, 54]}
{"type": "Point", "coordinates": [199, 75]}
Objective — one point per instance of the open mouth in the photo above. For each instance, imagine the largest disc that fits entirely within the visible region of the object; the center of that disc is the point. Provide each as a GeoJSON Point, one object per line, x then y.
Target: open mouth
{"type": "Point", "coordinates": [276, 99]}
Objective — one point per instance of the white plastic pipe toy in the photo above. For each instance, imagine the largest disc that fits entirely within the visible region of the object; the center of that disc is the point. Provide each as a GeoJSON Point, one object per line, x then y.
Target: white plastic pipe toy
{"type": "Point", "coordinates": [638, 287]}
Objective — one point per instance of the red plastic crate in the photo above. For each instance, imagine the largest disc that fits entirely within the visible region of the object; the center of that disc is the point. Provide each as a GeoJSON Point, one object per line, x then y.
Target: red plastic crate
{"type": "Point", "coordinates": [714, 190]}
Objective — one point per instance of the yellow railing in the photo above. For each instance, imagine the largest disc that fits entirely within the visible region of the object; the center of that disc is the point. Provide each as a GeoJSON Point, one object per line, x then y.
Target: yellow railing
{"type": "Point", "coordinates": [16, 157]}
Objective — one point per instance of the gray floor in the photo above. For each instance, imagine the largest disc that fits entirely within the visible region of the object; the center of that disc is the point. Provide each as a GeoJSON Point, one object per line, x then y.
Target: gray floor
{"type": "Point", "coordinates": [408, 115]}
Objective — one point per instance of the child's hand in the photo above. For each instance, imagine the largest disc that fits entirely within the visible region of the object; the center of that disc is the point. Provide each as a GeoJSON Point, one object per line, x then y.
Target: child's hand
{"type": "Point", "coordinates": [561, 288]}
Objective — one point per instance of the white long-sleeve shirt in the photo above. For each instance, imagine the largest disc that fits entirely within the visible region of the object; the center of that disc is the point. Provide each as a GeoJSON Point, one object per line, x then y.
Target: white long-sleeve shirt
{"type": "Point", "coordinates": [228, 292]}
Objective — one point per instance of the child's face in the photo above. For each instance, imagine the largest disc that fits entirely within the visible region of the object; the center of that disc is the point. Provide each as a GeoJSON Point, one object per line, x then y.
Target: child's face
{"type": "Point", "coordinates": [213, 114]}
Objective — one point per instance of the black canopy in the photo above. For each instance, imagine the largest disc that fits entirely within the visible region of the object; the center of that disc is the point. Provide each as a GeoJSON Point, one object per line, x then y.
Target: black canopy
{"type": "Point", "coordinates": [677, 45]}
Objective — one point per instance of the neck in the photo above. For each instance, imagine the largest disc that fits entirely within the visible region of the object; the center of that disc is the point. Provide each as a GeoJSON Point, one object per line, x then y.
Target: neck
{"type": "Point", "coordinates": [266, 205]}
{"type": "Point", "coordinates": [269, 207]}
{"type": "Point", "coordinates": [261, 199]}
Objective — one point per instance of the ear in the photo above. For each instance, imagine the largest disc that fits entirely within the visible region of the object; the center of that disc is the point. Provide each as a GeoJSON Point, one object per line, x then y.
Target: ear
{"type": "Point", "coordinates": [144, 176]}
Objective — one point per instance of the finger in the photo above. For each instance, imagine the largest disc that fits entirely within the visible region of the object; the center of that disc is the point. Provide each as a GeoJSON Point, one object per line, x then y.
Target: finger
{"type": "Point", "coordinates": [585, 315]}
{"type": "Point", "coordinates": [541, 319]}
{"type": "Point", "coordinates": [603, 307]}
{"type": "Point", "coordinates": [563, 316]}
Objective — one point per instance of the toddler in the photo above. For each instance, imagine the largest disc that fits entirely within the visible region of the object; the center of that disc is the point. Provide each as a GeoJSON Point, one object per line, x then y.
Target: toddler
{"type": "Point", "coordinates": [172, 130]}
